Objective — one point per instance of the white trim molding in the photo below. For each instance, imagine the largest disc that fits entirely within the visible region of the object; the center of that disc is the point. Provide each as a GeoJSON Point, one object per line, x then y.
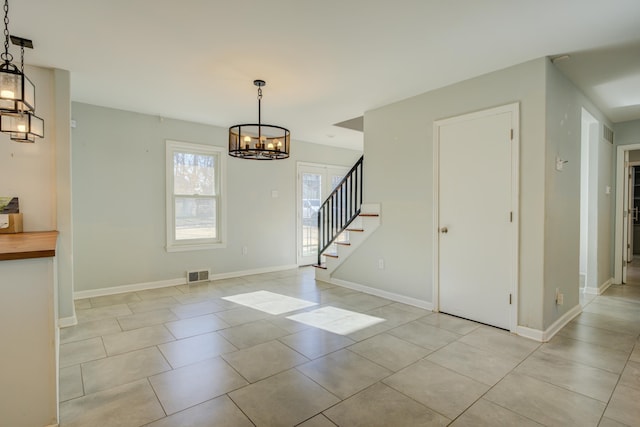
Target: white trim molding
{"type": "Point", "coordinates": [551, 331]}
{"type": "Point", "coordinates": [219, 197]}
{"type": "Point", "coordinates": [600, 289]}
{"type": "Point", "coordinates": [383, 294]}
{"type": "Point", "coordinates": [619, 211]}
{"type": "Point", "coordinates": [233, 274]}
{"type": "Point", "coordinates": [65, 322]}
{"type": "Point", "coordinates": [92, 293]}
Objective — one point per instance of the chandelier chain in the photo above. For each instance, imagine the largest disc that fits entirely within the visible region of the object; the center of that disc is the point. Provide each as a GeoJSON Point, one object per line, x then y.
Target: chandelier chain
{"type": "Point", "coordinates": [6, 56]}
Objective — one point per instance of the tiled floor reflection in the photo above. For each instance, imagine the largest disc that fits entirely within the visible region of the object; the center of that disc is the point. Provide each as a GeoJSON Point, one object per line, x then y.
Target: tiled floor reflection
{"type": "Point", "coordinates": [281, 349]}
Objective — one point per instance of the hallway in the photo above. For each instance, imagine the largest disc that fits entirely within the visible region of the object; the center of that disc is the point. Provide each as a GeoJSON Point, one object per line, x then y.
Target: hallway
{"type": "Point", "coordinates": [610, 322]}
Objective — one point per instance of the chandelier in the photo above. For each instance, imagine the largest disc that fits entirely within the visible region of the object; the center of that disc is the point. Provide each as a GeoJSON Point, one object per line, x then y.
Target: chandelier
{"type": "Point", "coordinates": [17, 92]}
{"type": "Point", "coordinates": [259, 141]}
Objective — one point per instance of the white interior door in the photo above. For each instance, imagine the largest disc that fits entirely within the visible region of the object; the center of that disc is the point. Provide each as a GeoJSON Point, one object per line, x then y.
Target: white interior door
{"type": "Point", "coordinates": [475, 211]}
{"type": "Point", "coordinates": [315, 183]}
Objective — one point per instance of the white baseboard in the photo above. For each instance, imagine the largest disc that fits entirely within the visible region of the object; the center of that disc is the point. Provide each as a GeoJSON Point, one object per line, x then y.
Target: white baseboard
{"type": "Point", "coordinates": [92, 293]}
{"type": "Point", "coordinates": [600, 289]}
{"type": "Point", "coordinates": [254, 271]}
{"type": "Point", "coordinates": [547, 334]}
{"type": "Point", "coordinates": [383, 294]}
{"type": "Point", "coordinates": [65, 322]}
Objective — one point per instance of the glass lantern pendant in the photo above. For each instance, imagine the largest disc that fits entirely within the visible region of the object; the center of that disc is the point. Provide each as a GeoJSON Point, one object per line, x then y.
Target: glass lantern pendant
{"type": "Point", "coordinates": [23, 127]}
{"type": "Point", "coordinates": [17, 92]}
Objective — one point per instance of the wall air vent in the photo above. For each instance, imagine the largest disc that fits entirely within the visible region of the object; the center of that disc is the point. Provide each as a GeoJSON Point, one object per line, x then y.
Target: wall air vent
{"type": "Point", "coordinates": [607, 133]}
{"type": "Point", "coordinates": [197, 276]}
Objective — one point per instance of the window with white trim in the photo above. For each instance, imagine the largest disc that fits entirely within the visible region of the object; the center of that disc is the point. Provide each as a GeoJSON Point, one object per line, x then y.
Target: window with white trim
{"type": "Point", "coordinates": [195, 196]}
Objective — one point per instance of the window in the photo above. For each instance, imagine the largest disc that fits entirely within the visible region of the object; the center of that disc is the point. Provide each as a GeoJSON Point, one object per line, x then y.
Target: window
{"type": "Point", "coordinates": [195, 196]}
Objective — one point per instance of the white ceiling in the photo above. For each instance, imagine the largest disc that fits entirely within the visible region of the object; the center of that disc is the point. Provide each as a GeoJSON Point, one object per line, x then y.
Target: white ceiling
{"type": "Point", "coordinates": [324, 61]}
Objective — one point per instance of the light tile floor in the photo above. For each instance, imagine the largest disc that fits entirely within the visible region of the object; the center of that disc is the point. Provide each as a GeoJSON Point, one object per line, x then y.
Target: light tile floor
{"type": "Point", "coordinates": [184, 356]}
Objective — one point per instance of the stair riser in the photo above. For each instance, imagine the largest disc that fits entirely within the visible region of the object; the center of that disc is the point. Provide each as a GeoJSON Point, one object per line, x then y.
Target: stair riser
{"type": "Point", "coordinates": [368, 225]}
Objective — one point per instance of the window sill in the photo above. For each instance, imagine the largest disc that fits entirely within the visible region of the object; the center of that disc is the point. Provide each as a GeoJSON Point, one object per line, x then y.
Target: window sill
{"type": "Point", "coordinates": [195, 247]}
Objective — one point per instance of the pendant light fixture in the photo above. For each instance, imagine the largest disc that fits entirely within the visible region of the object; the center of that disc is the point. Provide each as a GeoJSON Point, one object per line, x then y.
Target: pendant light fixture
{"type": "Point", "coordinates": [259, 141]}
{"type": "Point", "coordinates": [17, 92]}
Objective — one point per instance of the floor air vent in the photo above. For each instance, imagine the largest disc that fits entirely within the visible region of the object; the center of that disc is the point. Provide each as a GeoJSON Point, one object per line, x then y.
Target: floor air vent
{"type": "Point", "coordinates": [197, 276]}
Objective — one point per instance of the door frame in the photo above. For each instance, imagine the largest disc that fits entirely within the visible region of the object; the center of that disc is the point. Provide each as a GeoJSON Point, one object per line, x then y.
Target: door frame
{"type": "Point", "coordinates": [329, 170]}
{"type": "Point", "coordinates": [628, 225]}
{"type": "Point", "coordinates": [619, 238]}
{"type": "Point", "coordinates": [514, 109]}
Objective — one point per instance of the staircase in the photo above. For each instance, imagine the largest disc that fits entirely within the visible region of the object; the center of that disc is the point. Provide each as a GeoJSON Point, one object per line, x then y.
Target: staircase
{"type": "Point", "coordinates": [344, 222]}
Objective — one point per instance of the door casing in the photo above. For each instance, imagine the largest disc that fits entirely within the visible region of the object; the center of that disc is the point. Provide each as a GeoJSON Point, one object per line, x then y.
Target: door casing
{"type": "Point", "coordinates": [619, 238]}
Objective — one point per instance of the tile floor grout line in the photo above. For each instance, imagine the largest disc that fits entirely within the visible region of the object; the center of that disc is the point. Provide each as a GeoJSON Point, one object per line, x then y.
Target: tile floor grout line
{"type": "Point", "coordinates": [157, 399]}
{"type": "Point", "coordinates": [357, 341]}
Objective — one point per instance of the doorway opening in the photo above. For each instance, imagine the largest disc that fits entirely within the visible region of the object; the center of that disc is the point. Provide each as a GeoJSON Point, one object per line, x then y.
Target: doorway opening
{"type": "Point", "coordinates": [626, 243]}
{"type": "Point", "coordinates": [588, 206]}
{"type": "Point", "coordinates": [315, 183]}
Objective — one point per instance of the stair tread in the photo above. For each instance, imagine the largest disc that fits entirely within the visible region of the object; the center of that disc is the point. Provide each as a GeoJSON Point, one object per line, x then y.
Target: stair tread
{"type": "Point", "coordinates": [357, 230]}
{"type": "Point", "coordinates": [369, 214]}
{"type": "Point", "coordinates": [330, 254]}
{"type": "Point", "coordinates": [321, 266]}
{"type": "Point", "coordinates": [343, 243]}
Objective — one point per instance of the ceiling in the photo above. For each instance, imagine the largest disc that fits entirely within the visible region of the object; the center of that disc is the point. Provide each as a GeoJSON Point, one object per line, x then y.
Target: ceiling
{"type": "Point", "coordinates": [324, 62]}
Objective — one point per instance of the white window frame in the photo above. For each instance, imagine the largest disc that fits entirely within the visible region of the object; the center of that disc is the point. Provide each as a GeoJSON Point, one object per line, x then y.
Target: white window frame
{"type": "Point", "coordinates": [174, 245]}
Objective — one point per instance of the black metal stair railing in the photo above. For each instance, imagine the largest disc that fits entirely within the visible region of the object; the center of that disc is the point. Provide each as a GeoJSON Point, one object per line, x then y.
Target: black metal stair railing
{"type": "Point", "coordinates": [340, 209]}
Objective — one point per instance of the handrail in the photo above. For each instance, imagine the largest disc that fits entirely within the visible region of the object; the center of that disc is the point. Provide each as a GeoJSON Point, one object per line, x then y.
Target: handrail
{"type": "Point", "coordinates": [340, 208]}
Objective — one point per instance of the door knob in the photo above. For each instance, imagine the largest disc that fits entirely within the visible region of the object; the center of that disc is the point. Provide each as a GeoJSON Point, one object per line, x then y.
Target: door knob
{"type": "Point", "coordinates": [444, 230]}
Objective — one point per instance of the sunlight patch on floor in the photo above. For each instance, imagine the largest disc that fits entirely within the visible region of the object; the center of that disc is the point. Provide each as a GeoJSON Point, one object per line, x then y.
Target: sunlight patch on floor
{"type": "Point", "coordinates": [270, 302]}
{"type": "Point", "coordinates": [336, 320]}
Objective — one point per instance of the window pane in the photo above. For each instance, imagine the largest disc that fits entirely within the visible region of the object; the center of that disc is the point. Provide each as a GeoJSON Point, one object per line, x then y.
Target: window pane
{"type": "Point", "coordinates": [194, 174]}
{"type": "Point", "coordinates": [311, 190]}
{"type": "Point", "coordinates": [195, 218]}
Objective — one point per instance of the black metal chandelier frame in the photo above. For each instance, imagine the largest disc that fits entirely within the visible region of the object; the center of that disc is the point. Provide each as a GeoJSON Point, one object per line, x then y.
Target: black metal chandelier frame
{"type": "Point", "coordinates": [258, 141]}
{"type": "Point", "coordinates": [17, 92]}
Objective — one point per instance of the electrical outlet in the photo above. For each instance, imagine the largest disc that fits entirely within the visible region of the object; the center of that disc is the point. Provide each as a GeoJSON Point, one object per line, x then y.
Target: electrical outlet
{"type": "Point", "coordinates": [381, 264]}
{"type": "Point", "coordinates": [244, 250]}
{"type": "Point", "coordinates": [559, 297]}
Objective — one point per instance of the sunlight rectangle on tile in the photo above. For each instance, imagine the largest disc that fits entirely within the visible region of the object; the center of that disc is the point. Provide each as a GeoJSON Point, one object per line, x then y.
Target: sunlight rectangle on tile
{"type": "Point", "coordinates": [270, 302]}
{"type": "Point", "coordinates": [336, 320]}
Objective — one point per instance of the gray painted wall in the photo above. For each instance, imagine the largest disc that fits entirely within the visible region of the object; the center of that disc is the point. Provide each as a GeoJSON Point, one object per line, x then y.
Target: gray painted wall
{"type": "Point", "coordinates": [627, 133]}
{"type": "Point", "coordinates": [119, 200]}
{"type": "Point", "coordinates": [562, 195]}
{"type": "Point", "coordinates": [64, 220]}
{"type": "Point", "coordinates": [399, 175]}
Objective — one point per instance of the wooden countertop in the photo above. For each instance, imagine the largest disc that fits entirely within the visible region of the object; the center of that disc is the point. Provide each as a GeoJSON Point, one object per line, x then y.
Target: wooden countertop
{"type": "Point", "coordinates": [40, 244]}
